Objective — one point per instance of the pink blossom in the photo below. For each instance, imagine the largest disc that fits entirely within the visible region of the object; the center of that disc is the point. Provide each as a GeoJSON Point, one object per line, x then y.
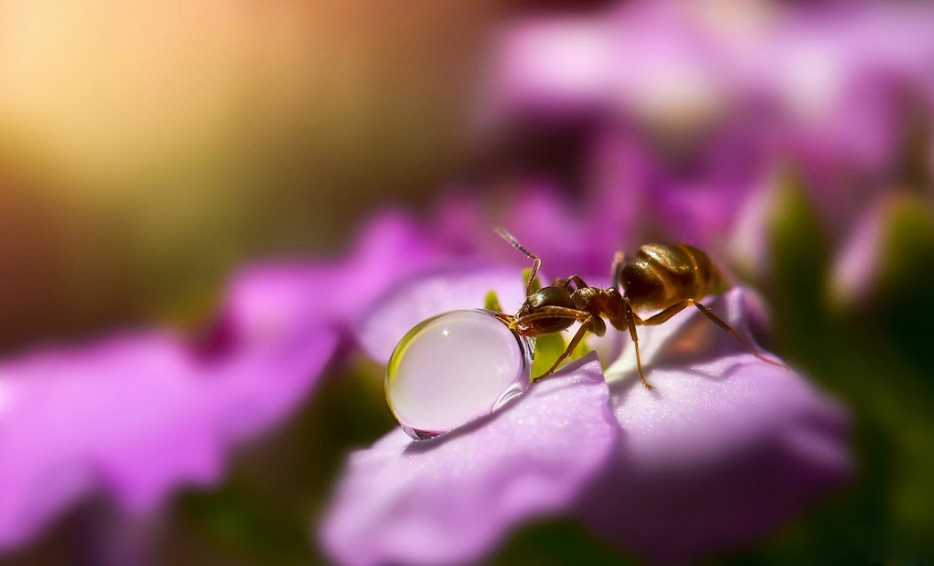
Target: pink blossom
{"type": "Point", "coordinates": [726, 449]}
{"type": "Point", "coordinates": [140, 413]}
{"type": "Point", "coordinates": [694, 109]}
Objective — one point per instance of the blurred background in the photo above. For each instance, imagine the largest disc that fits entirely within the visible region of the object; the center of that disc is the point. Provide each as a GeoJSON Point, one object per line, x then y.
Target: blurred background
{"type": "Point", "coordinates": [149, 149]}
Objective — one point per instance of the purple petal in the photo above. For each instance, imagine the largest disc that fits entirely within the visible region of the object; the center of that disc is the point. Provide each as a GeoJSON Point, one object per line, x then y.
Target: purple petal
{"type": "Point", "coordinates": [673, 64]}
{"type": "Point", "coordinates": [302, 292]}
{"type": "Point", "coordinates": [459, 219]}
{"type": "Point", "coordinates": [136, 416]}
{"type": "Point", "coordinates": [725, 449]}
{"type": "Point", "coordinates": [541, 217]}
{"type": "Point", "coordinates": [748, 244]}
{"type": "Point", "coordinates": [425, 294]}
{"type": "Point", "coordinates": [454, 499]}
{"type": "Point", "coordinates": [140, 414]}
{"type": "Point", "coordinates": [856, 269]}
{"type": "Point", "coordinates": [734, 93]}
{"type": "Point", "coordinates": [651, 62]}
{"type": "Point", "coordinates": [556, 66]}
{"type": "Point", "coordinates": [544, 220]}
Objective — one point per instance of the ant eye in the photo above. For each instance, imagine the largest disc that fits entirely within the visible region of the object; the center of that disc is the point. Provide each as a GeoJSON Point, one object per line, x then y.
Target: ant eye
{"type": "Point", "coordinates": [455, 368]}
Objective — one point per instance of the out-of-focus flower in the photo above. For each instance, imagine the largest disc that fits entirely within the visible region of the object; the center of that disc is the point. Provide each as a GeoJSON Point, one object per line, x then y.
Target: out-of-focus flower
{"type": "Point", "coordinates": [695, 108]}
{"type": "Point", "coordinates": [884, 247]}
{"type": "Point", "coordinates": [138, 415]}
{"type": "Point", "coordinates": [632, 205]}
{"type": "Point", "coordinates": [683, 68]}
{"type": "Point", "coordinates": [856, 269]}
{"type": "Point", "coordinates": [142, 413]}
{"type": "Point", "coordinates": [727, 448]}
{"type": "Point", "coordinates": [542, 217]}
{"type": "Point", "coordinates": [334, 295]}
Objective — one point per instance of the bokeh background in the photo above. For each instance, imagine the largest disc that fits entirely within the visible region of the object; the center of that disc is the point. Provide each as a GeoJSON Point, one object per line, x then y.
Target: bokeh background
{"type": "Point", "coordinates": [149, 149]}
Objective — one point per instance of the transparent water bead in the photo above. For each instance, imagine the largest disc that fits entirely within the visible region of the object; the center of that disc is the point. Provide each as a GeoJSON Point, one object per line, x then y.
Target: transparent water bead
{"type": "Point", "coordinates": [454, 368]}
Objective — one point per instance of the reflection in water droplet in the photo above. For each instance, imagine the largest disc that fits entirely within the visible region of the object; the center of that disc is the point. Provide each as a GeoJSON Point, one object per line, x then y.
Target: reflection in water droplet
{"type": "Point", "coordinates": [455, 368]}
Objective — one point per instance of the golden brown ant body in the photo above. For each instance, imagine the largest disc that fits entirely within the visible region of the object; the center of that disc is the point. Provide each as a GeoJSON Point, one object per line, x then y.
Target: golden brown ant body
{"type": "Point", "coordinates": [662, 276]}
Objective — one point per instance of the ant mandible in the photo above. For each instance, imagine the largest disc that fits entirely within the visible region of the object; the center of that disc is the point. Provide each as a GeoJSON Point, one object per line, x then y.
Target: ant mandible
{"type": "Point", "coordinates": [663, 277]}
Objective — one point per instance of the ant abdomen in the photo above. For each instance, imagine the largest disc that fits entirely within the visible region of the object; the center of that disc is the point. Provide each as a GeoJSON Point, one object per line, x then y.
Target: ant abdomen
{"type": "Point", "coordinates": [663, 274]}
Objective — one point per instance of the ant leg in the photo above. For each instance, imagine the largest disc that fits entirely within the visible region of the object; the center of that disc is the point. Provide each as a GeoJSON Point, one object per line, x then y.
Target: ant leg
{"type": "Point", "coordinates": [617, 272]}
{"type": "Point", "coordinates": [567, 352]}
{"type": "Point", "coordinates": [663, 316]}
{"type": "Point", "coordinates": [563, 283]}
{"type": "Point", "coordinates": [566, 283]}
{"type": "Point", "coordinates": [630, 320]}
{"type": "Point", "coordinates": [536, 262]}
{"type": "Point", "coordinates": [709, 314]}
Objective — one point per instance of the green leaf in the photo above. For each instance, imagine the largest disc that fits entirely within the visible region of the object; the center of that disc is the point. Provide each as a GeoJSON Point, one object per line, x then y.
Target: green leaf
{"type": "Point", "coordinates": [547, 349]}
{"type": "Point", "coordinates": [582, 349]}
{"type": "Point", "coordinates": [491, 302]}
{"type": "Point", "coordinates": [799, 262]}
{"type": "Point", "coordinates": [536, 285]}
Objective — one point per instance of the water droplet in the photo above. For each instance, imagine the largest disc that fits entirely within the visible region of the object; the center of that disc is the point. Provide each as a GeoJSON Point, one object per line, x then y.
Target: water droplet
{"type": "Point", "coordinates": [454, 368]}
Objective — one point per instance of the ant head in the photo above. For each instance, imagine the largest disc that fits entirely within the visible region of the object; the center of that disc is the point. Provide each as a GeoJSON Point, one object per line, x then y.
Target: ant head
{"type": "Point", "coordinates": [545, 297]}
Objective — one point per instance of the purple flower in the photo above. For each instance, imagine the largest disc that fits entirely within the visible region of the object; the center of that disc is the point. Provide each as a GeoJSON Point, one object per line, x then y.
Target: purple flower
{"type": "Point", "coordinates": [141, 413]}
{"type": "Point", "coordinates": [857, 268]}
{"type": "Point", "coordinates": [332, 295]}
{"type": "Point", "coordinates": [673, 67]}
{"type": "Point", "coordinates": [136, 416]}
{"type": "Point", "coordinates": [879, 254]}
{"type": "Point", "coordinates": [540, 215]}
{"type": "Point", "coordinates": [724, 451]}
{"type": "Point", "coordinates": [446, 501]}
{"type": "Point", "coordinates": [694, 108]}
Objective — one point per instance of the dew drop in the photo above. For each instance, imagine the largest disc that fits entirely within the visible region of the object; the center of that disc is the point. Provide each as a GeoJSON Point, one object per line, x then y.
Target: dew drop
{"type": "Point", "coordinates": [454, 368]}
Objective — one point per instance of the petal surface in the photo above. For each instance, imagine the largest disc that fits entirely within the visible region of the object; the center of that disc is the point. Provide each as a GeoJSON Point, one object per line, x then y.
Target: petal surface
{"type": "Point", "coordinates": [135, 416]}
{"type": "Point", "coordinates": [453, 499]}
{"type": "Point", "coordinates": [723, 451]}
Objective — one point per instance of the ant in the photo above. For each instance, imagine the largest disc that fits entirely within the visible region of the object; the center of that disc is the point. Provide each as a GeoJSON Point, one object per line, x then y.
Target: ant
{"type": "Point", "coordinates": [663, 277]}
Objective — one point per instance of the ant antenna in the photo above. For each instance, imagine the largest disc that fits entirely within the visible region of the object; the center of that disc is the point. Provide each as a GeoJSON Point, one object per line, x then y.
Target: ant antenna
{"type": "Point", "coordinates": [536, 262]}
